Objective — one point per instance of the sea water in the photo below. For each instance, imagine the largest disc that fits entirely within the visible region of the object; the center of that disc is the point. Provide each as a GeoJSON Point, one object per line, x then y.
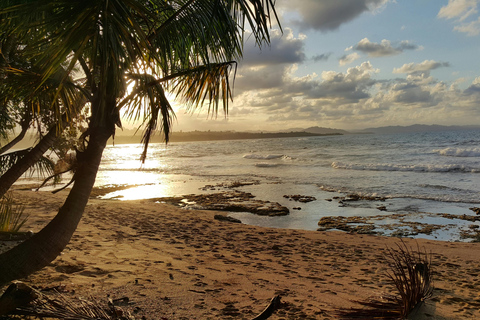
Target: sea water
{"type": "Point", "coordinates": [417, 173]}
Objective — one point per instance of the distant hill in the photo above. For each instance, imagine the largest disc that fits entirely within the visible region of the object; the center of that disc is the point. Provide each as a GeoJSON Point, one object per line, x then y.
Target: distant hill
{"type": "Point", "coordinates": [318, 130]}
{"type": "Point", "coordinates": [321, 130]}
{"type": "Point", "coordinates": [419, 128]}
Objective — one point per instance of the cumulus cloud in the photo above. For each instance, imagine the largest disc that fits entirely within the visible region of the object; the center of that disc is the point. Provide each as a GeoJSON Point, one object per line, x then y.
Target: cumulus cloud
{"type": "Point", "coordinates": [354, 97]}
{"type": "Point", "coordinates": [265, 69]}
{"type": "Point", "coordinates": [384, 48]}
{"type": "Point", "coordinates": [352, 85]}
{"type": "Point", "coordinates": [460, 11]}
{"type": "Point", "coordinates": [284, 48]}
{"type": "Point", "coordinates": [474, 88]}
{"type": "Point", "coordinates": [423, 67]}
{"type": "Point", "coordinates": [347, 59]}
{"type": "Point", "coordinates": [329, 15]}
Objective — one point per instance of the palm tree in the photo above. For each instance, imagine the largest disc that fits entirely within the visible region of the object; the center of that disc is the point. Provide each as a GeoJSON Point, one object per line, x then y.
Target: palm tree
{"type": "Point", "coordinates": [130, 52]}
{"type": "Point", "coordinates": [54, 104]}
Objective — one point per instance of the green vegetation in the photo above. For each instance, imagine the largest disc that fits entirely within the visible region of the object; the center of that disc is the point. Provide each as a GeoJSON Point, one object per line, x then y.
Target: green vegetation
{"type": "Point", "coordinates": [12, 216]}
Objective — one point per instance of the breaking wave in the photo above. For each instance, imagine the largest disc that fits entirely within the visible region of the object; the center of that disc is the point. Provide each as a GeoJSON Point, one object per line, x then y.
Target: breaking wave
{"type": "Point", "coordinates": [262, 157]}
{"type": "Point", "coordinates": [399, 167]}
{"type": "Point", "coordinates": [459, 152]}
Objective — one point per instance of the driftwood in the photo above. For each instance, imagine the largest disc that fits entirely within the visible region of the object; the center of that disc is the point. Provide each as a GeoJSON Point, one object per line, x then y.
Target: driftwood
{"type": "Point", "coordinates": [21, 299]}
{"type": "Point", "coordinates": [17, 295]}
{"type": "Point", "coordinates": [265, 314]}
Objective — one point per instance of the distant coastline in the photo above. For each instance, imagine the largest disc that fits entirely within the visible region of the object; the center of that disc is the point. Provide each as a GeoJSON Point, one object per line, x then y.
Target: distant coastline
{"type": "Point", "coordinates": [132, 136]}
{"type": "Point", "coordinates": [218, 135]}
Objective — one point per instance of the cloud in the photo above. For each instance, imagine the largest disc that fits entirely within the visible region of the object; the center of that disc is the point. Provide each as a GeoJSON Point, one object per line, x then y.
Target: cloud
{"type": "Point", "coordinates": [347, 59]}
{"type": "Point", "coordinates": [352, 99]}
{"type": "Point", "coordinates": [460, 11]}
{"type": "Point", "coordinates": [474, 88]}
{"type": "Point", "coordinates": [472, 28]}
{"type": "Point", "coordinates": [382, 49]}
{"type": "Point", "coordinates": [321, 57]}
{"type": "Point", "coordinates": [424, 66]}
{"type": "Point", "coordinates": [266, 68]}
{"type": "Point", "coordinates": [284, 48]}
{"type": "Point", "coordinates": [329, 15]}
{"type": "Point", "coordinates": [410, 93]}
{"type": "Point", "coordinates": [351, 86]}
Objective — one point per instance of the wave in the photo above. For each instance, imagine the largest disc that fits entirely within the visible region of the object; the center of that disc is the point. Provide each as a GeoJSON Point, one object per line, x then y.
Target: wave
{"type": "Point", "coordinates": [399, 167]}
{"type": "Point", "coordinates": [262, 157]}
{"type": "Point", "coordinates": [458, 152]}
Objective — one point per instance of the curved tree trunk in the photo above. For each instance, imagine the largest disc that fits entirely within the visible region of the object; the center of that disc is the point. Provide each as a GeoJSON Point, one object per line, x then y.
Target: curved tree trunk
{"type": "Point", "coordinates": [16, 171]}
{"type": "Point", "coordinates": [17, 139]}
{"type": "Point", "coordinates": [39, 250]}
{"type": "Point", "coordinates": [25, 124]}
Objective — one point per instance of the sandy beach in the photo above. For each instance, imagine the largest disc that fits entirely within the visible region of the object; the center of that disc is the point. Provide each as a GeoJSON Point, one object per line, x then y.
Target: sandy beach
{"type": "Point", "coordinates": [174, 263]}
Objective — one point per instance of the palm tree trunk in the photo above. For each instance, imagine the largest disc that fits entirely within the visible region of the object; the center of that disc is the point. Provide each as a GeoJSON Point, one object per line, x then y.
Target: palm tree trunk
{"type": "Point", "coordinates": [39, 250]}
{"type": "Point", "coordinates": [16, 171]}
{"type": "Point", "coordinates": [25, 124]}
{"type": "Point", "coordinates": [17, 139]}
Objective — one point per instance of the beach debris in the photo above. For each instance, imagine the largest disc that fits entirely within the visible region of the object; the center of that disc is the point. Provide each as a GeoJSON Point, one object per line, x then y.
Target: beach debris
{"type": "Point", "coordinates": [221, 217]}
{"type": "Point", "coordinates": [382, 208]}
{"type": "Point", "coordinates": [270, 309]}
{"type": "Point", "coordinates": [21, 300]}
{"type": "Point", "coordinates": [300, 198]}
{"type": "Point", "coordinates": [16, 295]}
{"type": "Point", "coordinates": [411, 275]}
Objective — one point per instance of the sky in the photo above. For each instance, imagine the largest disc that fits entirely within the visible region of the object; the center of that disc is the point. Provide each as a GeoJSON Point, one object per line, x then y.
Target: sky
{"type": "Point", "coordinates": [355, 64]}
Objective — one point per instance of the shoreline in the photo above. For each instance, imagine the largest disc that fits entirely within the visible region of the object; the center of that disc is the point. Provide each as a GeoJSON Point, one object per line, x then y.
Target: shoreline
{"type": "Point", "coordinates": [324, 209]}
{"type": "Point", "coordinates": [184, 264]}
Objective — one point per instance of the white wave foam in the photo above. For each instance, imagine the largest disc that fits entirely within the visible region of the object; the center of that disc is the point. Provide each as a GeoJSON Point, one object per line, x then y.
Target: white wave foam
{"type": "Point", "coordinates": [262, 157]}
{"type": "Point", "coordinates": [458, 152]}
{"type": "Point", "coordinates": [398, 167]}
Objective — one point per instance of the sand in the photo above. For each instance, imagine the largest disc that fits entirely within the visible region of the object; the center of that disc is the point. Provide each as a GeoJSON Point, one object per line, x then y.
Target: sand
{"type": "Point", "coordinates": [174, 263]}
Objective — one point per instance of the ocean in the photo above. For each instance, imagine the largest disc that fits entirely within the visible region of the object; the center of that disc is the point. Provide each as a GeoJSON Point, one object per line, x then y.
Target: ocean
{"type": "Point", "coordinates": [402, 182]}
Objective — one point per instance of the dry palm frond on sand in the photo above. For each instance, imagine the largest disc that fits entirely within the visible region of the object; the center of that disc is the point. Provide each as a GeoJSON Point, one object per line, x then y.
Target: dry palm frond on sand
{"type": "Point", "coordinates": [411, 274]}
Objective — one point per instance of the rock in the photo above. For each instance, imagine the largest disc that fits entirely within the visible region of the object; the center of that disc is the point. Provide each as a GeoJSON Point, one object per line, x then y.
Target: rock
{"type": "Point", "coordinates": [226, 218]}
{"type": "Point", "coordinates": [475, 209]}
{"type": "Point", "coordinates": [300, 198]}
{"type": "Point", "coordinates": [233, 201]}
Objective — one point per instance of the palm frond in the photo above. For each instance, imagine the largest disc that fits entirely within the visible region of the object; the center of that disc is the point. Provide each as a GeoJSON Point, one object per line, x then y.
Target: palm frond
{"type": "Point", "coordinates": [148, 103]}
{"type": "Point", "coordinates": [411, 274]}
{"type": "Point", "coordinates": [43, 167]}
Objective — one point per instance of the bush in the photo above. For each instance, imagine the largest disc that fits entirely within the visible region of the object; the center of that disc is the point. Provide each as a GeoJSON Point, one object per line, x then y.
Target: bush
{"type": "Point", "coordinates": [11, 215]}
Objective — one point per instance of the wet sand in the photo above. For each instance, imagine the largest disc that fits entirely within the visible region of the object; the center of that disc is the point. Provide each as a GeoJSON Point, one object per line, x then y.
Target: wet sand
{"type": "Point", "coordinates": [174, 263]}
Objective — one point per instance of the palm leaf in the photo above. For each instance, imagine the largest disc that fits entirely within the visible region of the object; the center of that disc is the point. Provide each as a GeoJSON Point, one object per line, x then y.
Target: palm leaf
{"type": "Point", "coordinates": [43, 167]}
